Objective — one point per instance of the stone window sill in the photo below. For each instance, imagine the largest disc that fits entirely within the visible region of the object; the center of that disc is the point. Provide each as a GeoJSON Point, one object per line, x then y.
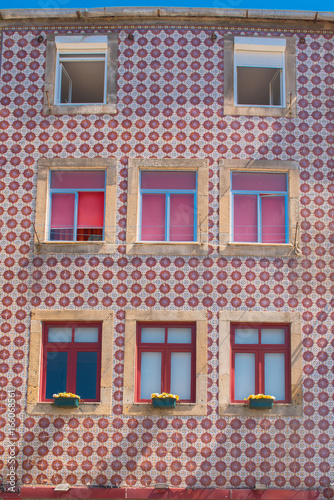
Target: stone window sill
{"type": "Point", "coordinates": [180, 409]}
{"type": "Point", "coordinates": [80, 247]}
{"type": "Point", "coordinates": [84, 409]}
{"type": "Point", "coordinates": [258, 249]}
{"type": "Point", "coordinates": [166, 247]}
{"type": "Point", "coordinates": [243, 410]}
{"type": "Point", "coordinates": [81, 109]}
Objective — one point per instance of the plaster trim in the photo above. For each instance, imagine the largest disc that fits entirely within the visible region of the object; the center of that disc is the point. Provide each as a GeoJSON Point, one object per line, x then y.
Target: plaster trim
{"type": "Point", "coordinates": [226, 247]}
{"type": "Point", "coordinates": [42, 245]}
{"type": "Point", "coordinates": [34, 406]}
{"type": "Point", "coordinates": [136, 247]}
{"type": "Point", "coordinates": [287, 410]}
{"type": "Point", "coordinates": [141, 409]}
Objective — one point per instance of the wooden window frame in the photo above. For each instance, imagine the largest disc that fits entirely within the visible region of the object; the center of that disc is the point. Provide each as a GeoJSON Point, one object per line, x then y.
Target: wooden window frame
{"type": "Point", "coordinates": [166, 351]}
{"type": "Point", "coordinates": [260, 350]}
{"type": "Point", "coordinates": [72, 348]}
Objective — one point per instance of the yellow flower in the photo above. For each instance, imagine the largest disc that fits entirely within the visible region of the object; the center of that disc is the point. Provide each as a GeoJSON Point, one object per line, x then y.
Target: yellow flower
{"type": "Point", "coordinates": [66, 395]}
{"type": "Point", "coordinates": [164, 395]}
{"type": "Point", "coordinates": [259, 396]}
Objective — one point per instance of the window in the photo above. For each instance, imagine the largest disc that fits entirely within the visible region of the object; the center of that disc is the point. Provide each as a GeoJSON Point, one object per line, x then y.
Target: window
{"type": "Point", "coordinates": [168, 211]}
{"type": "Point", "coordinates": [70, 350]}
{"type": "Point", "coordinates": [71, 360]}
{"type": "Point", "coordinates": [167, 207]}
{"type": "Point", "coordinates": [165, 351]}
{"type": "Point", "coordinates": [259, 207]}
{"type": "Point", "coordinates": [260, 361]}
{"type": "Point", "coordinates": [166, 360]}
{"type": "Point", "coordinates": [260, 352]}
{"type": "Point", "coordinates": [260, 76]}
{"type": "Point", "coordinates": [75, 205]}
{"type": "Point", "coordinates": [81, 74]}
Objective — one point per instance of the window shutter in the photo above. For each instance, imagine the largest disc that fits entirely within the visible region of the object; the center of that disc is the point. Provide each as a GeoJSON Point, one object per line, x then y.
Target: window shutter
{"type": "Point", "coordinates": [256, 52]}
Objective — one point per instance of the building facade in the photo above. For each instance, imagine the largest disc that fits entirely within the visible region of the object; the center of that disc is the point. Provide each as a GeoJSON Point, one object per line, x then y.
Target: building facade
{"type": "Point", "coordinates": [167, 203]}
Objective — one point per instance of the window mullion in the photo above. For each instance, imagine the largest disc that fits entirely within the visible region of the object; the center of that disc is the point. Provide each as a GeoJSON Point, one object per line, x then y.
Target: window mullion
{"type": "Point", "coordinates": [259, 218]}
{"type": "Point", "coordinates": [167, 218]}
{"type": "Point", "coordinates": [75, 221]}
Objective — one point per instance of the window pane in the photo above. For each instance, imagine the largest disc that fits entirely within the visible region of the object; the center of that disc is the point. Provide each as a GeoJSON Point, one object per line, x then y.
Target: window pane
{"type": "Point", "coordinates": [86, 375]}
{"type": "Point", "coordinates": [272, 336]}
{"type": "Point", "coordinates": [246, 336]}
{"type": "Point", "coordinates": [152, 335]}
{"type": "Point", "coordinates": [87, 81]}
{"type": "Point", "coordinates": [255, 86]}
{"type": "Point", "coordinates": [274, 375]}
{"type": "Point", "coordinates": [59, 334]}
{"type": "Point", "coordinates": [86, 334]}
{"type": "Point", "coordinates": [180, 379]}
{"type": "Point", "coordinates": [244, 375]}
{"type": "Point", "coordinates": [258, 181]}
{"type": "Point", "coordinates": [62, 216]}
{"type": "Point", "coordinates": [91, 210]}
{"type": "Point", "coordinates": [150, 374]}
{"type": "Point", "coordinates": [179, 335]}
{"type": "Point", "coordinates": [181, 217]}
{"type": "Point", "coordinates": [273, 219]}
{"type": "Point", "coordinates": [245, 218]}
{"type": "Point", "coordinates": [56, 373]}
{"type": "Point", "coordinates": [77, 179]}
{"type": "Point", "coordinates": [167, 180]}
{"type": "Point", "coordinates": [153, 217]}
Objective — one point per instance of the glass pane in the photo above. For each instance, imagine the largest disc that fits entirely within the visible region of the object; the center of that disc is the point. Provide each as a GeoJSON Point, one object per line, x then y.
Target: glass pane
{"type": "Point", "coordinates": [272, 336]}
{"type": "Point", "coordinates": [153, 217]}
{"type": "Point", "coordinates": [181, 217]}
{"type": "Point", "coordinates": [150, 375]}
{"type": "Point", "coordinates": [62, 216]}
{"type": "Point", "coordinates": [258, 181]}
{"type": "Point", "coordinates": [244, 375]}
{"type": "Point", "coordinates": [254, 86]}
{"type": "Point", "coordinates": [245, 218]}
{"type": "Point", "coordinates": [59, 334]}
{"type": "Point", "coordinates": [86, 375]}
{"type": "Point", "coordinates": [179, 335]}
{"type": "Point", "coordinates": [86, 334]}
{"type": "Point", "coordinates": [274, 375]}
{"type": "Point", "coordinates": [273, 219]}
{"type": "Point", "coordinates": [180, 379]}
{"type": "Point", "coordinates": [56, 373]}
{"type": "Point", "coordinates": [152, 335]}
{"type": "Point", "coordinates": [77, 179]}
{"type": "Point", "coordinates": [168, 180]}
{"type": "Point", "coordinates": [246, 336]}
{"type": "Point", "coordinates": [91, 210]}
{"type": "Point", "coordinates": [87, 79]}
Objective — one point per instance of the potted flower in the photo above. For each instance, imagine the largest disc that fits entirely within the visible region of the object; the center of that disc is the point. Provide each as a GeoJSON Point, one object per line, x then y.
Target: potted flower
{"type": "Point", "coordinates": [164, 400]}
{"type": "Point", "coordinates": [66, 400]}
{"type": "Point", "coordinates": [260, 401]}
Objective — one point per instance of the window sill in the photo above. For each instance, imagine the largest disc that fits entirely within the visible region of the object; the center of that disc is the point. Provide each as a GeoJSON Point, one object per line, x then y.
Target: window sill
{"type": "Point", "coordinates": [145, 409]}
{"type": "Point", "coordinates": [258, 249]}
{"type": "Point", "coordinates": [243, 410]}
{"type": "Point", "coordinates": [83, 409]}
{"type": "Point", "coordinates": [166, 247]}
{"type": "Point", "coordinates": [80, 109]}
{"type": "Point", "coordinates": [80, 247]}
{"type": "Point", "coordinates": [230, 109]}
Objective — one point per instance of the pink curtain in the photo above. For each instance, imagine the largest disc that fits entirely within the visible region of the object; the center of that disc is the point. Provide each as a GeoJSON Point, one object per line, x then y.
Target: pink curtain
{"type": "Point", "coordinates": [153, 217]}
{"type": "Point", "coordinates": [77, 179]}
{"type": "Point", "coordinates": [273, 219]}
{"type": "Point", "coordinates": [182, 217]}
{"type": "Point", "coordinates": [258, 181]}
{"type": "Point", "coordinates": [168, 180]}
{"type": "Point", "coordinates": [62, 216]}
{"type": "Point", "coordinates": [91, 209]}
{"type": "Point", "coordinates": [245, 218]}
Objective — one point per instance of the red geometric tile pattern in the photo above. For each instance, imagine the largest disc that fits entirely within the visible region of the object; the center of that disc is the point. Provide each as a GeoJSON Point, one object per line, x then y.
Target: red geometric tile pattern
{"type": "Point", "coordinates": [170, 105]}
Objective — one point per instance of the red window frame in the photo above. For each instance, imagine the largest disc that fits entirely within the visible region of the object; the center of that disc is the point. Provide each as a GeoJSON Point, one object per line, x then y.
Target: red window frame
{"type": "Point", "coordinates": [72, 348]}
{"type": "Point", "coordinates": [166, 350]}
{"type": "Point", "coordinates": [260, 350]}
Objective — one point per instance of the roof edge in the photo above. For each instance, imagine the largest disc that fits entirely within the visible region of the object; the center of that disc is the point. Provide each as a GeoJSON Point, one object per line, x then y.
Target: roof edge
{"type": "Point", "coordinates": [163, 13]}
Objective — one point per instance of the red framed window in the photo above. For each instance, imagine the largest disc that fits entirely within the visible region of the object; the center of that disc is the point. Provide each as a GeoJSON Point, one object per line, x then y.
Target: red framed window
{"type": "Point", "coordinates": [168, 205]}
{"type": "Point", "coordinates": [77, 205]}
{"type": "Point", "coordinates": [260, 359]}
{"type": "Point", "coordinates": [260, 207]}
{"type": "Point", "coordinates": [71, 360]}
{"type": "Point", "coordinates": [166, 360]}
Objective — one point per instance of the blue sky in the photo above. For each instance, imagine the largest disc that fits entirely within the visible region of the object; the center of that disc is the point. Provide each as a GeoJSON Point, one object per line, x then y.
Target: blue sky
{"type": "Point", "coordinates": [321, 5]}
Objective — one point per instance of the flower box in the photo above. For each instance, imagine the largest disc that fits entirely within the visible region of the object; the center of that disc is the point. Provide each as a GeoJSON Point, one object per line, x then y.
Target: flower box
{"type": "Point", "coordinates": [67, 402]}
{"type": "Point", "coordinates": [260, 403]}
{"type": "Point", "coordinates": [163, 402]}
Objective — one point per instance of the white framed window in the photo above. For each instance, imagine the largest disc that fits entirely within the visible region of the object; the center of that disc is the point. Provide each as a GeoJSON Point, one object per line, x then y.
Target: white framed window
{"type": "Point", "coordinates": [259, 71]}
{"type": "Point", "coordinates": [81, 74]}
